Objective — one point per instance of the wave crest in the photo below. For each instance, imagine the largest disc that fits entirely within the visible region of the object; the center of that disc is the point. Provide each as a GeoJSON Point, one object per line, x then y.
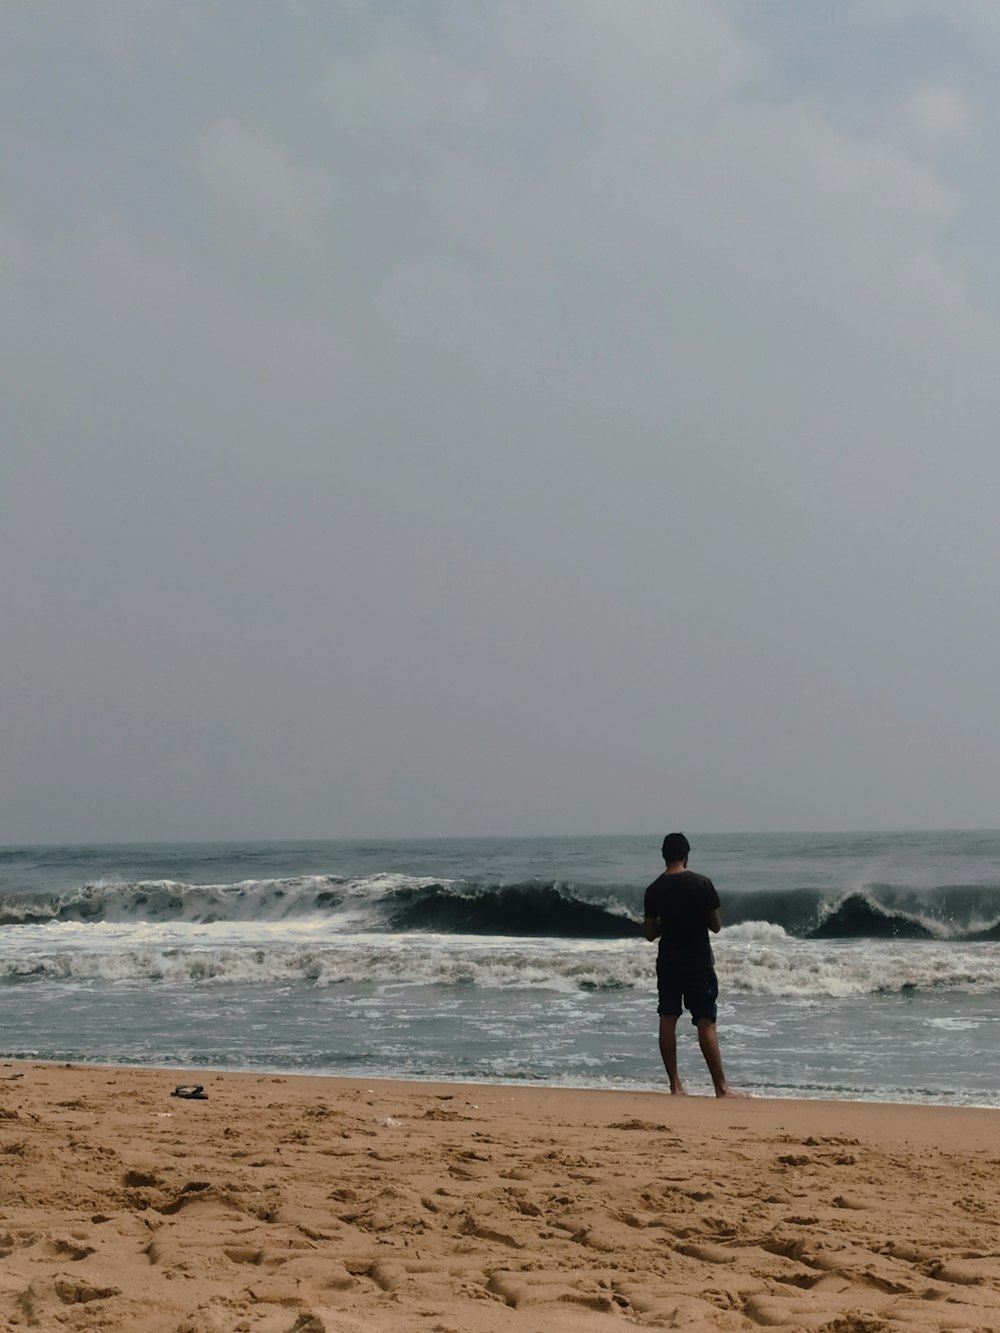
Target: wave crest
{"type": "Point", "coordinates": [395, 902]}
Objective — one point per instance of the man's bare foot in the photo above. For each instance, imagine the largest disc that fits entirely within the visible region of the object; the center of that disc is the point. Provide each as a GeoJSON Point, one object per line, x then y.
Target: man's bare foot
{"type": "Point", "coordinates": [731, 1092]}
{"type": "Point", "coordinates": [678, 1090]}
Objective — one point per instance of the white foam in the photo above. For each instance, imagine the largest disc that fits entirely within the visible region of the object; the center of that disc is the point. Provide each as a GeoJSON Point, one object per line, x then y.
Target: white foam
{"type": "Point", "coordinates": [805, 968]}
{"type": "Point", "coordinates": [749, 959]}
{"type": "Point", "coordinates": [751, 931]}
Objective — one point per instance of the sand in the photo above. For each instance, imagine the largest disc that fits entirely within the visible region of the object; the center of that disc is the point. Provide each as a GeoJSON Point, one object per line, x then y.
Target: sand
{"type": "Point", "coordinates": [320, 1205]}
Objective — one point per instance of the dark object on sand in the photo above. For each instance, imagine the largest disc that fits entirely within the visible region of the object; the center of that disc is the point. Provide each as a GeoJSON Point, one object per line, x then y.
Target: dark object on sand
{"type": "Point", "coordinates": [193, 1091]}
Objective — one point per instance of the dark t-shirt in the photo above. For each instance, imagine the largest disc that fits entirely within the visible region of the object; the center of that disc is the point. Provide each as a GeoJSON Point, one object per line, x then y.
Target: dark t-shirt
{"type": "Point", "coordinates": [683, 902]}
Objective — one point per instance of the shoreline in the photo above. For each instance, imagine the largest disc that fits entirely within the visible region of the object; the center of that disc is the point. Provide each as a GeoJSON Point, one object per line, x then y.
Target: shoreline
{"type": "Point", "coordinates": [652, 1088]}
{"type": "Point", "coordinates": [313, 1204]}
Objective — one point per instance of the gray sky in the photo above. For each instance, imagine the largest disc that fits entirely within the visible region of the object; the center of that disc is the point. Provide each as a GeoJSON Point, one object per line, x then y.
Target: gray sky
{"type": "Point", "coordinates": [540, 416]}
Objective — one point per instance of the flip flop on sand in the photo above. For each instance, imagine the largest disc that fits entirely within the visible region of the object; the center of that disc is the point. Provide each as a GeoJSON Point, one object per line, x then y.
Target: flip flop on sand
{"type": "Point", "coordinates": [193, 1091]}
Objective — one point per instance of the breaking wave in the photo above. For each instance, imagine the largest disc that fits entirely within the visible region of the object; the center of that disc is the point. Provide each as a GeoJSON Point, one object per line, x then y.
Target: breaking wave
{"type": "Point", "coordinates": [391, 903]}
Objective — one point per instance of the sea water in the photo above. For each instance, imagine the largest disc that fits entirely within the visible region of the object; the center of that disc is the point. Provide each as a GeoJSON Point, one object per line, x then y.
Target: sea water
{"type": "Point", "coordinates": [856, 966]}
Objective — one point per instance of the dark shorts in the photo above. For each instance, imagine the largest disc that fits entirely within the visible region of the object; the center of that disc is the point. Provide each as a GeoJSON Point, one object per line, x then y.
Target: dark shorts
{"type": "Point", "coordinates": [696, 990]}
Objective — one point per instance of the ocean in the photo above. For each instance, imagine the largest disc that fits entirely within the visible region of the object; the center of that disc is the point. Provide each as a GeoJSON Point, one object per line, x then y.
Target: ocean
{"type": "Point", "coordinates": [863, 967]}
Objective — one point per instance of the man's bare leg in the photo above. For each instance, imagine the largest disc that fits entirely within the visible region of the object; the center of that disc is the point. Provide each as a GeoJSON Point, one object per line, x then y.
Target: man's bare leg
{"type": "Point", "coordinates": [668, 1050]}
{"type": "Point", "coordinates": [708, 1040]}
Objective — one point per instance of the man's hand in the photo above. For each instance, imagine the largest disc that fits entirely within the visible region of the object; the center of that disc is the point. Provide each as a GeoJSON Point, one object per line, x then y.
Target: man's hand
{"type": "Point", "coordinates": [651, 928]}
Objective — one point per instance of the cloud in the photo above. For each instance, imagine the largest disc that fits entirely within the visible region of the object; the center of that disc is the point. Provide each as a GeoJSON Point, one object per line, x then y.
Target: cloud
{"type": "Point", "coordinates": [262, 195]}
{"type": "Point", "coordinates": [979, 18]}
{"type": "Point", "coordinates": [406, 92]}
{"type": "Point", "coordinates": [844, 222]}
{"type": "Point", "coordinates": [122, 30]}
{"type": "Point", "coordinates": [674, 154]}
{"type": "Point", "coordinates": [652, 55]}
{"type": "Point", "coordinates": [933, 120]}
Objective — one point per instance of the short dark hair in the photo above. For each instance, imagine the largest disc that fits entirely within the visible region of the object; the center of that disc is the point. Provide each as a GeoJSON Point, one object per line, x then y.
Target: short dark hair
{"type": "Point", "coordinates": [675, 848]}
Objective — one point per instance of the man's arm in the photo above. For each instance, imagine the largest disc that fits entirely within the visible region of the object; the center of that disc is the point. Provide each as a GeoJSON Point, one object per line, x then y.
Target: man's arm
{"type": "Point", "coordinates": [714, 920]}
{"type": "Point", "coordinates": [651, 928]}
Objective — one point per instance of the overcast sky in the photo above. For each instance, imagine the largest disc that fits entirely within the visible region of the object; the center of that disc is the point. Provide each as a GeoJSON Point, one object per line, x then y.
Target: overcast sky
{"type": "Point", "coordinates": [528, 416]}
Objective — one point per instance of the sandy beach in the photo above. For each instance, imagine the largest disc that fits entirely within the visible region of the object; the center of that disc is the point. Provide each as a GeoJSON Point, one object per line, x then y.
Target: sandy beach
{"type": "Point", "coordinates": [318, 1205]}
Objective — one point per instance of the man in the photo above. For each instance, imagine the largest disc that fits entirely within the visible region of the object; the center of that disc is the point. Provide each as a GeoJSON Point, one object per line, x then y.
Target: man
{"type": "Point", "coordinates": [681, 908]}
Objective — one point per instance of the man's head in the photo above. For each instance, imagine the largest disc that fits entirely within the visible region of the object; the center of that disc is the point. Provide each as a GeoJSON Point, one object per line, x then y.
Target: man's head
{"type": "Point", "coordinates": [675, 848]}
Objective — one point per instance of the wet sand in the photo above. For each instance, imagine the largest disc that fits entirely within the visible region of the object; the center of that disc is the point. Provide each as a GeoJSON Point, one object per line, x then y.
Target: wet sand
{"type": "Point", "coordinates": [318, 1205]}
